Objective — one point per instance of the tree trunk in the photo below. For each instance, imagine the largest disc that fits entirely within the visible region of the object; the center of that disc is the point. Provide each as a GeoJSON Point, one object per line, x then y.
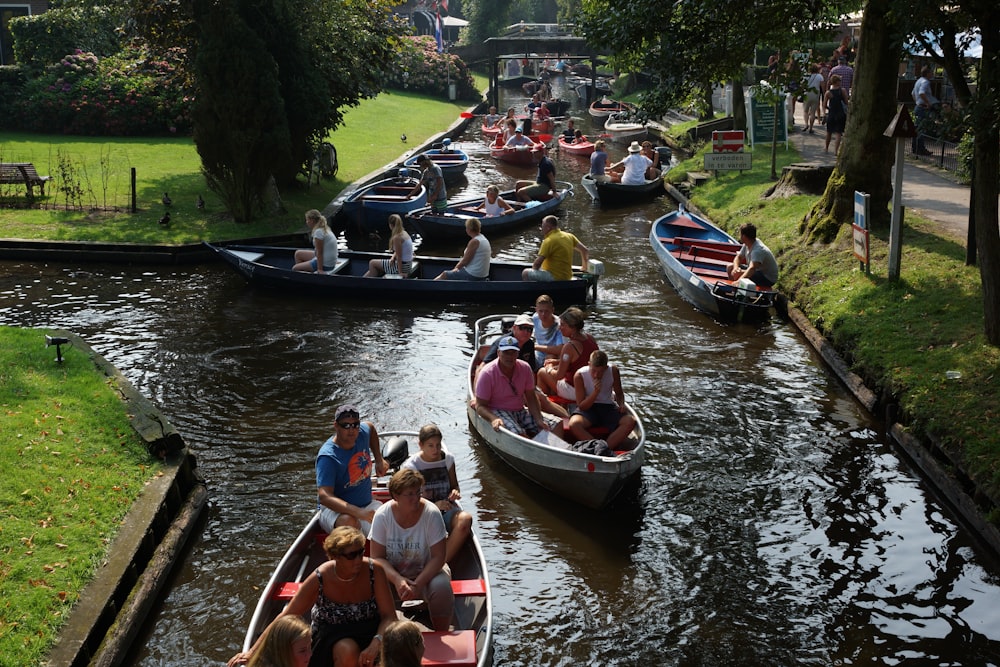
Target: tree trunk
{"type": "Point", "coordinates": [986, 174]}
{"type": "Point", "coordinates": [739, 109]}
{"type": "Point", "coordinates": [866, 154]}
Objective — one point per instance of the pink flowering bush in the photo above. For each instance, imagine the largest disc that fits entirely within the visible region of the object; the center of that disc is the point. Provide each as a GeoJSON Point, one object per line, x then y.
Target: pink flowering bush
{"type": "Point", "coordinates": [422, 69]}
{"type": "Point", "coordinates": [131, 93]}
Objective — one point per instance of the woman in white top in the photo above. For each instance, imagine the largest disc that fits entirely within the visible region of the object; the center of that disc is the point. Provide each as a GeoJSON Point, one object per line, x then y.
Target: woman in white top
{"type": "Point", "coordinates": [475, 261]}
{"type": "Point", "coordinates": [323, 256]}
{"type": "Point", "coordinates": [402, 253]}
{"type": "Point", "coordinates": [632, 169]}
{"type": "Point", "coordinates": [494, 205]}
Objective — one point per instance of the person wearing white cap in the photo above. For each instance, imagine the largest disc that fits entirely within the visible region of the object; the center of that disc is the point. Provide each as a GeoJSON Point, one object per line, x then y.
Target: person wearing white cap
{"type": "Point", "coordinates": [522, 330]}
{"type": "Point", "coordinates": [344, 472]}
{"type": "Point", "coordinates": [505, 394]}
{"type": "Point", "coordinates": [631, 170]}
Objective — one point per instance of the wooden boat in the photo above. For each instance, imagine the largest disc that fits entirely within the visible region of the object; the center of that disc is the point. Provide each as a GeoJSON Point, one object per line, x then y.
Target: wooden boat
{"type": "Point", "coordinates": [470, 643]}
{"type": "Point", "coordinates": [271, 267]}
{"type": "Point", "coordinates": [623, 127]}
{"type": "Point", "coordinates": [583, 149]}
{"type": "Point", "coordinates": [369, 207]}
{"type": "Point", "coordinates": [523, 156]}
{"type": "Point", "coordinates": [694, 254]}
{"type": "Point", "coordinates": [450, 225]}
{"type": "Point", "coordinates": [453, 162]}
{"type": "Point", "coordinates": [614, 195]}
{"type": "Point", "coordinates": [605, 106]}
{"type": "Point", "coordinates": [593, 481]}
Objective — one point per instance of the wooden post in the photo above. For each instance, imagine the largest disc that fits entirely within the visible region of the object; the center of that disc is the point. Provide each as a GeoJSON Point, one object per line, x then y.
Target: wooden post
{"type": "Point", "coordinates": [134, 209]}
{"type": "Point", "coordinates": [901, 129]}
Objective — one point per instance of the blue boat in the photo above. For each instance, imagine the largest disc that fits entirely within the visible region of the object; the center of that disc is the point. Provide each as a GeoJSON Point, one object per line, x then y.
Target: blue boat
{"type": "Point", "coordinates": [370, 206]}
{"type": "Point", "coordinates": [694, 254]}
{"type": "Point", "coordinates": [453, 161]}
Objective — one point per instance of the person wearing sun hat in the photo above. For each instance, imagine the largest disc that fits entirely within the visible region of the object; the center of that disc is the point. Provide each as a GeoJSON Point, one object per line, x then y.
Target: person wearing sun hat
{"type": "Point", "coordinates": [631, 170]}
{"type": "Point", "coordinates": [344, 472]}
{"type": "Point", "coordinates": [505, 393]}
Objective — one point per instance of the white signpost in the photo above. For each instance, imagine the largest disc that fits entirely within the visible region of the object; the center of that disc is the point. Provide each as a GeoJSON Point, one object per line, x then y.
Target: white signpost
{"type": "Point", "coordinates": [727, 152]}
{"type": "Point", "coordinates": [861, 204]}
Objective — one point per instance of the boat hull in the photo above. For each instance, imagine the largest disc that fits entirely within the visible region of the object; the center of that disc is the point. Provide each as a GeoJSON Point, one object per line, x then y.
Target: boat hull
{"type": "Point", "coordinates": [583, 149]}
{"type": "Point", "coordinates": [694, 254]}
{"type": "Point", "coordinates": [601, 110]}
{"type": "Point", "coordinates": [592, 481]}
{"type": "Point", "coordinates": [614, 195]}
{"type": "Point", "coordinates": [451, 224]}
{"type": "Point", "coordinates": [369, 207]}
{"type": "Point", "coordinates": [522, 156]}
{"type": "Point", "coordinates": [271, 267]}
{"type": "Point", "coordinates": [453, 163]}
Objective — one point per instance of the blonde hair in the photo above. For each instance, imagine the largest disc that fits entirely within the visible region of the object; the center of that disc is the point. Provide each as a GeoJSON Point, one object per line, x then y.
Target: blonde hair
{"type": "Point", "coordinates": [317, 218]}
{"type": "Point", "coordinates": [473, 225]}
{"type": "Point", "coordinates": [341, 538]}
{"type": "Point", "coordinates": [402, 645]}
{"type": "Point", "coordinates": [275, 648]}
{"type": "Point", "coordinates": [600, 145]}
{"type": "Point", "coordinates": [397, 227]}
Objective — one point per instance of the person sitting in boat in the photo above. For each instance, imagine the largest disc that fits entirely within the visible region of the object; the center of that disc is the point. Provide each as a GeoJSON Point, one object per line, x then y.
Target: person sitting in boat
{"type": "Point", "coordinates": [287, 642]}
{"type": "Point", "coordinates": [599, 162]}
{"type": "Point", "coordinates": [544, 185]}
{"type": "Point", "coordinates": [510, 129]}
{"type": "Point", "coordinates": [555, 256]}
{"type": "Point", "coordinates": [631, 170]}
{"type": "Point", "coordinates": [653, 172]}
{"type": "Point", "coordinates": [402, 645]}
{"type": "Point", "coordinates": [544, 91]}
{"type": "Point", "coordinates": [569, 134]}
{"type": "Point", "coordinates": [542, 113]}
{"type": "Point", "coordinates": [350, 601]}
{"type": "Point", "coordinates": [344, 472]}
{"type": "Point", "coordinates": [432, 179]}
{"type": "Point", "coordinates": [548, 338]}
{"type": "Point", "coordinates": [532, 106]}
{"type": "Point", "coordinates": [475, 261]}
{"type": "Point", "coordinates": [557, 378]}
{"type": "Point", "coordinates": [600, 401]}
{"type": "Point", "coordinates": [755, 261]}
{"type": "Point", "coordinates": [511, 115]}
{"type": "Point", "coordinates": [323, 257]}
{"type": "Point", "coordinates": [506, 396]}
{"type": "Point", "coordinates": [401, 261]}
{"type": "Point", "coordinates": [494, 205]}
{"type": "Point", "coordinates": [492, 118]}
{"type": "Point", "coordinates": [437, 466]}
{"type": "Point", "coordinates": [518, 139]}
{"type": "Point", "coordinates": [409, 541]}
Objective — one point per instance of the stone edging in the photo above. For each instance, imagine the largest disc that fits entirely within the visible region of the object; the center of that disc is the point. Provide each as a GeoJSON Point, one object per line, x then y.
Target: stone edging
{"type": "Point", "coordinates": [113, 607]}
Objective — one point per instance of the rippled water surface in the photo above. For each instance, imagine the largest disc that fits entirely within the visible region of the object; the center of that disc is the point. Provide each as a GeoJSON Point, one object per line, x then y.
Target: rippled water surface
{"type": "Point", "coordinates": [771, 524]}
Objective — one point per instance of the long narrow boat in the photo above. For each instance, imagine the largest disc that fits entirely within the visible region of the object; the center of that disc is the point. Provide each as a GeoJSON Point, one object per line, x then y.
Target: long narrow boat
{"type": "Point", "coordinates": [694, 254]}
{"type": "Point", "coordinates": [271, 267]}
{"type": "Point", "coordinates": [453, 162]}
{"type": "Point", "coordinates": [469, 644]}
{"type": "Point", "coordinates": [522, 156]}
{"type": "Point", "coordinates": [593, 481]}
{"type": "Point", "coordinates": [450, 225]}
{"type": "Point", "coordinates": [583, 148]}
{"type": "Point", "coordinates": [369, 207]}
{"type": "Point", "coordinates": [605, 106]}
{"type": "Point", "coordinates": [614, 195]}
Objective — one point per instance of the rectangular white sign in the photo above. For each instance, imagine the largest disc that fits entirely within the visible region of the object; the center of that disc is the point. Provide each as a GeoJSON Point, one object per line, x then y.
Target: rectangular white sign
{"type": "Point", "coordinates": [728, 161]}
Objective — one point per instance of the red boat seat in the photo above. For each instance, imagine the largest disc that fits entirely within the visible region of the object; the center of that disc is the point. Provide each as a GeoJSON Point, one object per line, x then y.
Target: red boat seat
{"type": "Point", "coordinates": [453, 648]}
{"type": "Point", "coordinates": [459, 587]}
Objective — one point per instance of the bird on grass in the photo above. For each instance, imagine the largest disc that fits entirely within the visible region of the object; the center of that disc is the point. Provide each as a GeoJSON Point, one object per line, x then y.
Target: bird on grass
{"type": "Point", "coordinates": [200, 203]}
{"type": "Point", "coordinates": [167, 201]}
{"type": "Point", "coordinates": [402, 138]}
{"type": "Point", "coordinates": [165, 220]}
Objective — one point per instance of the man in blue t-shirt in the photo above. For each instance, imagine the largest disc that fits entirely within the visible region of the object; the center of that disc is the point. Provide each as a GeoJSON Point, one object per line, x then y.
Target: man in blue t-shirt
{"type": "Point", "coordinates": [344, 472]}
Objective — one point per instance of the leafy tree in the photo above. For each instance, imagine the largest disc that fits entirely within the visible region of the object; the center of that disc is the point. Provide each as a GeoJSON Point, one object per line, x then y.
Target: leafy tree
{"type": "Point", "coordinates": [487, 18]}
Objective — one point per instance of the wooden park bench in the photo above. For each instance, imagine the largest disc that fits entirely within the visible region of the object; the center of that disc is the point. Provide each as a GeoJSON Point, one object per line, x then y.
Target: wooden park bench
{"type": "Point", "coordinates": [23, 172]}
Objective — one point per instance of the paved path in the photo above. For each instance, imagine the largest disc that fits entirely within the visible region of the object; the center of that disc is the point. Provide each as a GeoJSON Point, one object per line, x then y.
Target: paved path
{"type": "Point", "coordinates": [927, 190]}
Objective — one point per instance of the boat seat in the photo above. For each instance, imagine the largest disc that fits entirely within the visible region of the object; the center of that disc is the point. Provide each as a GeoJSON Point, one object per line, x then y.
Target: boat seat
{"type": "Point", "coordinates": [454, 648]}
{"type": "Point", "coordinates": [685, 256]}
{"type": "Point", "coordinates": [248, 255]}
{"type": "Point", "coordinates": [459, 587]}
{"type": "Point", "coordinates": [385, 197]}
{"type": "Point", "coordinates": [414, 272]}
{"type": "Point", "coordinates": [706, 272]}
{"type": "Point", "coordinates": [718, 245]}
{"type": "Point", "coordinates": [339, 266]}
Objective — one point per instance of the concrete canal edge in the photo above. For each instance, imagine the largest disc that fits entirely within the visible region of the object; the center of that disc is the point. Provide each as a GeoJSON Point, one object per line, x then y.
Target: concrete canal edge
{"type": "Point", "coordinates": [942, 472]}
{"type": "Point", "coordinates": [112, 609]}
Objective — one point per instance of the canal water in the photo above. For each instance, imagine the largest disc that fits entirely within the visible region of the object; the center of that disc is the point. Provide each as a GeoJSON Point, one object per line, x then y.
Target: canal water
{"type": "Point", "coordinates": [771, 524]}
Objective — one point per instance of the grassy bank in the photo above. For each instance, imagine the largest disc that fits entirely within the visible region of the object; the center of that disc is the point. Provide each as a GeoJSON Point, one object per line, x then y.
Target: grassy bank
{"type": "Point", "coordinates": [72, 468]}
{"type": "Point", "coordinates": [100, 167]}
{"type": "Point", "coordinates": [905, 338]}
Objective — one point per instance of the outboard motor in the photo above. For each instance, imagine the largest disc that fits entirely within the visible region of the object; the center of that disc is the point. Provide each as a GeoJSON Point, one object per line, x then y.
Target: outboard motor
{"type": "Point", "coordinates": [446, 145]}
{"type": "Point", "coordinates": [396, 451]}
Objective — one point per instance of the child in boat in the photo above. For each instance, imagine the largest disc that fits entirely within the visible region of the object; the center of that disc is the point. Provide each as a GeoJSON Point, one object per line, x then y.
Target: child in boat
{"type": "Point", "coordinates": [494, 205]}
{"type": "Point", "coordinates": [437, 466]}
{"type": "Point", "coordinates": [600, 401]}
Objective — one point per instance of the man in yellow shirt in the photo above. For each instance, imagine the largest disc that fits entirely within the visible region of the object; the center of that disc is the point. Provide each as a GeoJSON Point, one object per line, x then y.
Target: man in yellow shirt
{"type": "Point", "coordinates": [555, 257]}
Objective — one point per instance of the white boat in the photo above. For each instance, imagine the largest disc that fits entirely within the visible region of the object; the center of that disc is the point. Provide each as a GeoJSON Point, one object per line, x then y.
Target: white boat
{"type": "Point", "coordinates": [624, 128]}
{"type": "Point", "coordinates": [469, 644]}
{"type": "Point", "coordinates": [593, 481]}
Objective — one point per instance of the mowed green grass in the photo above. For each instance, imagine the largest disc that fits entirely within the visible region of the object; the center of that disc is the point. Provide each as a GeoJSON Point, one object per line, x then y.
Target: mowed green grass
{"type": "Point", "coordinates": [101, 166]}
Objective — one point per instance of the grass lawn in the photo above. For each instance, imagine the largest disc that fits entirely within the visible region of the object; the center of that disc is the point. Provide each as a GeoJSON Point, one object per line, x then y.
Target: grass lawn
{"type": "Point", "coordinates": [72, 468]}
{"type": "Point", "coordinates": [100, 166]}
{"type": "Point", "coordinates": [901, 337]}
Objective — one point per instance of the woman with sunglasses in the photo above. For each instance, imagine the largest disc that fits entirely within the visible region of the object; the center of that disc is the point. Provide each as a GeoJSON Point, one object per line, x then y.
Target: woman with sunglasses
{"type": "Point", "coordinates": [351, 605]}
{"type": "Point", "coordinates": [409, 541]}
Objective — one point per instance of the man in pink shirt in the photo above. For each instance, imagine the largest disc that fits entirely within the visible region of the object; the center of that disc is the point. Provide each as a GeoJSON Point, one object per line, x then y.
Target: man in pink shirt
{"type": "Point", "coordinates": [845, 71]}
{"type": "Point", "coordinates": [504, 387]}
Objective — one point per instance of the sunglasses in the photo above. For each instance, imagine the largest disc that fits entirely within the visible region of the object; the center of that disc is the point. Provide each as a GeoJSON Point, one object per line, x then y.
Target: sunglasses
{"type": "Point", "coordinates": [353, 555]}
{"type": "Point", "coordinates": [348, 426]}
{"type": "Point", "coordinates": [525, 327]}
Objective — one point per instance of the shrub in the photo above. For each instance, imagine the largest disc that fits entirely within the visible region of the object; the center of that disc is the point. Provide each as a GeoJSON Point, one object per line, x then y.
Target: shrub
{"type": "Point", "coordinates": [422, 69]}
{"type": "Point", "coordinates": [131, 93]}
{"type": "Point", "coordinates": [43, 39]}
